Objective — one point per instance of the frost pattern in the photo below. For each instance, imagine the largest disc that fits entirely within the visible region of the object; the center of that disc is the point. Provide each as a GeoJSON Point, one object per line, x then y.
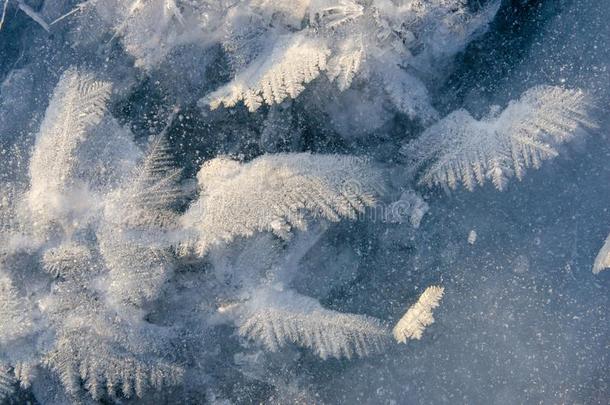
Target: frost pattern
{"type": "Point", "coordinates": [25, 372]}
{"type": "Point", "coordinates": [345, 65]}
{"type": "Point", "coordinates": [15, 318]}
{"type": "Point", "coordinates": [90, 328]}
{"type": "Point", "coordinates": [367, 41]}
{"type": "Point", "coordinates": [93, 288]}
{"type": "Point", "coordinates": [282, 190]}
{"type": "Point", "coordinates": [7, 382]}
{"type": "Point", "coordinates": [106, 368]}
{"type": "Point", "coordinates": [602, 261]}
{"type": "Point", "coordinates": [138, 213]}
{"type": "Point", "coordinates": [68, 260]}
{"type": "Point", "coordinates": [302, 321]}
{"type": "Point", "coordinates": [461, 149]}
{"type": "Point", "coordinates": [276, 48]}
{"type": "Point", "coordinates": [293, 62]}
{"type": "Point", "coordinates": [77, 104]}
{"type": "Point", "coordinates": [97, 348]}
{"type": "Point", "coordinates": [149, 29]}
{"type": "Point", "coordinates": [419, 316]}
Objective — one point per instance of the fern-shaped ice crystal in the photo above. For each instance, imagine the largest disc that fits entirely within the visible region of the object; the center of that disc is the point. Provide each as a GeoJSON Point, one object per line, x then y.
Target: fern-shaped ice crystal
{"type": "Point", "coordinates": [137, 215]}
{"type": "Point", "coordinates": [419, 316]}
{"type": "Point", "coordinates": [106, 368]}
{"type": "Point", "coordinates": [277, 193]}
{"type": "Point", "coordinates": [15, 316]}
{"type": "Point", "coordinates": [148, 197]}
{"type": "Point", "coordinates": [77, 104]}
{"type": "Point", "coordinates": [460, 148]}
{"type": "Point", "coordinates": [293, 319]}
{"type": "Point", "coordinates": [281, 73]}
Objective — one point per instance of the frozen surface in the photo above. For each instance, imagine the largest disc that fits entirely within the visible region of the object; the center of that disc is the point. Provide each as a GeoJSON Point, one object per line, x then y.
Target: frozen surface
{"type": "Point", "coordinates": [163, 267]}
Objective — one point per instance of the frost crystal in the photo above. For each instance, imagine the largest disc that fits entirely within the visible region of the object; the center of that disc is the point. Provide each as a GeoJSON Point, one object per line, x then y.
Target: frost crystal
{"type": "Point", "coordinates": [419, 316]}
{"type": "Point", "coordinates": [461, 149]}
{"type": "Point", "coordinates": [282, 191]}
{"type": "Point", "coordinates": [602, 261]}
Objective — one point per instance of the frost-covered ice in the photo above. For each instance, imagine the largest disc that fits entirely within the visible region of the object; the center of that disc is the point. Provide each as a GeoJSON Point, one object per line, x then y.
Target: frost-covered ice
{"type": "Point", "coordinates": [317, 201]}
